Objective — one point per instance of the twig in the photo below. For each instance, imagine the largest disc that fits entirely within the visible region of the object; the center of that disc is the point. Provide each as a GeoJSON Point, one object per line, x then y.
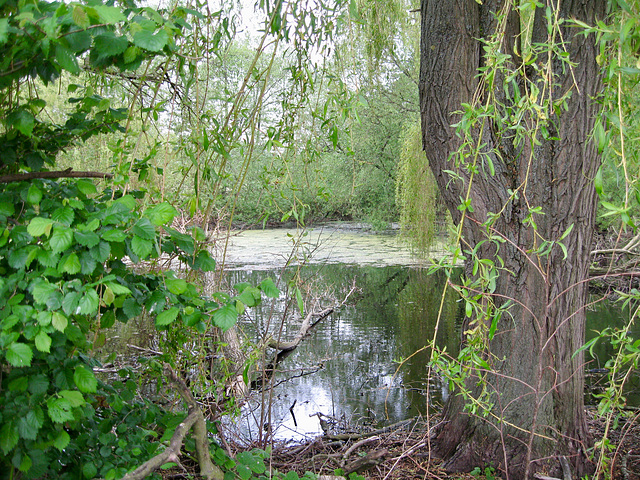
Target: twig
{"type": "Point", "coordinates": [566, 469]}
{"type": "Point", "coordinates": [357, 445]}
{"type": "Point", "coordinates": [147, 350]}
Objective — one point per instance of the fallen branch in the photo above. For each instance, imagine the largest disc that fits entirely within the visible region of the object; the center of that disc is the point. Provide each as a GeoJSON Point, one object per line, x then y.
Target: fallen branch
{"type": "Point", "coordinates": [358, 444]}
{"type": "Point", "coordinates": [207, 469]}
{"type": "Point", "coordinates": [170, 454]}
{"type": "Point", "coordinates": [304, 329]}
{"type": "Point", "coordinates": [285, 348]}
{"type": "Point", "coordinates": [19, 177]}
{"type": "Point", "coordinates": [370, 460]}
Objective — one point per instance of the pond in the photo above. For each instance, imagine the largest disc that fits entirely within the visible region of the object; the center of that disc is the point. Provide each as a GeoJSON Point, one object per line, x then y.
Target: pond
{"type": "Point", "coordinates": [358, 365]}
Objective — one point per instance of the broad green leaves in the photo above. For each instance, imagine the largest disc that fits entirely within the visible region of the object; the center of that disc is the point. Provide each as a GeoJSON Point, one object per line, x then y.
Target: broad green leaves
{"type": "Point", "coordinates": [85, 380]}
{"type": "Point", "coordinates": [154, 42]}
{"type": "Point", "coordinates": [19, 354]}
{"type": "Point", "coordinates": [225, 317]}
{"type": "Point", "coordinates": [40, 226]}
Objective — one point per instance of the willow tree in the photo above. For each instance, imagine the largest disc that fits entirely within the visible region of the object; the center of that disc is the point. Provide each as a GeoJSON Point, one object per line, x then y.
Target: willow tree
{"type": "Point", "coordinates": [507, 104]}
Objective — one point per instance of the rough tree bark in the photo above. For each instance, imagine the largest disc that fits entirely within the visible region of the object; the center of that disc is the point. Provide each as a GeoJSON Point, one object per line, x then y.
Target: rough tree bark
{"type": "Point", "coordinates": [537, 384]}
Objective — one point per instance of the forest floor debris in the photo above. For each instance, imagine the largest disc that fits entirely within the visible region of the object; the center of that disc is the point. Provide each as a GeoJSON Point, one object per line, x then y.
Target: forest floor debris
{"type": "Point", "coordinates": [402, 452]}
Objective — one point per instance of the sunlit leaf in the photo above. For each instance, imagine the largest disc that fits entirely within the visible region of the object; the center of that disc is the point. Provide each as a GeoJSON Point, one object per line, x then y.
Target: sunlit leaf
{"type": "Point", "coordinates": [40, 226]}
{"type": "Point", "coordinates": [43, 342]}
{"type": "Point", "coordinates": [161, 214]}
{"type": "Point", "coordinates": [59, 410]}
{"type": "Point", "coordinates": [167, 317]}
{"type": "Point", "coordinates": [61, 239]}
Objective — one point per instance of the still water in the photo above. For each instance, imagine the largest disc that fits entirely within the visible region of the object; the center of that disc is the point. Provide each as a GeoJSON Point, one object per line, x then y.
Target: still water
{"type": "Point", "coordinates": [363, 363]}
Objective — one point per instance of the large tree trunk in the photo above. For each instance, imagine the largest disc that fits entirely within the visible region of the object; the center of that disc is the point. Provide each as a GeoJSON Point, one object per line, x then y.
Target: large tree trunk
{"type": "Point", "coordinates": [536, 383]}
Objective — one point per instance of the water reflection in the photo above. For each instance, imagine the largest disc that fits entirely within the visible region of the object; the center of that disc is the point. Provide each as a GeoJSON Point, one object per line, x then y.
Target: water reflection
{"type": "Point", "coordinates": [359, 347]}
{"type": "Point", "coordinates": [601, 315]}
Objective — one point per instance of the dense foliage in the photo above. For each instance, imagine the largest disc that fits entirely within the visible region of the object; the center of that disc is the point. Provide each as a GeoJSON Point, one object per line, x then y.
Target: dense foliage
{"type": "Point", "coordinates": [67, 249]}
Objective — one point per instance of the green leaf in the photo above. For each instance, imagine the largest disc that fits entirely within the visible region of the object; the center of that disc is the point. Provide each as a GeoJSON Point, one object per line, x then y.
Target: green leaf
{"type": "Point", "coordinates": [87, 239]}
{"type": "Point", "coordinates": [244, 472]}
{"type": "Point", "coordinates": [598, 182]}
{"type": "Point", "coordinates": [23, 121]}
{"type": "Point", "coordinates": [150, 41]}
{"type": "Point", "coordinates": [86, 186]}
{"type": "Point", "coordinates": [8, 437]}
{"type": "Point", "coordinates": [59, 321]}
{"type": "Point", "coordinates": [161, 214]}
{"type": "Point", "coordinates": [114, 235]}
{"type": "Point", "coordinates": [85, 380]}
{"type": "Point", "coordinates": [63, 215]}
{"type": "Point", "coordinates": [117, 289]}
{"type": "Point", "coordinates": [25, 463]}
{"type": "Point", "coordinates": [70, 303]}
{"type": "Point", "coordinates": [100, 253]}
{"type": "Point", "coordinates": [38, 384]}
{"type": "Point", "coordinates": [47, 258]}
{"type": "Point", "coordinates": [142, 248]}
{"type": "Point", "coordinates": [69, 264]}
{"type": "Point", "coordinates": [252, 461]}
{"type": "Point", "coordinates": [110, 15]}
{"type": "Point", "coordinates": [40, 226]}
{"type": "Point", "coordinates": [4, 29]}
{"type": "Point", "coordinates": [269, 288]}
{"type": "Point", "coordinates": [59, 410]}
{"type": "Point", "coordinates": [176, 285]}
{"type": "Point", "coordinates": [225, 317]}
{"type": "Point", "coordinates": [34, 195]}
{"type": "Point", "coordinates": [61, 239]}
{"type": "Point", "coordinates": [131, 53]}
{"type": "Point", "coordinates": [108, 45]}
{"type": "Point", "coordinates": [167, 317]}
{"type": "Point", "coordinates": [66, 59]}
{"type": "Point", "coordinates": [131, 308]}
{"type": "Point", "coordinates": [43, 290]}
{"type": "Point", "coordinates": [204, 262]}
{"type": "Point", "coordinates": [89, 470]}
{"type": "Point", "coordinates": [80, 17]}
{"type": "Point", "coordinates": [43, 342]}
{"type": "Point", "coordinates": [19, 384]}
{"type": "Point", "coordinates": [19, 354]}
{"type": "Point", "coordinates": [89, 302]}
{"type": "Point", "coordinates": [250, 296]}
{"type": "Point", "coordinates": [29, 425]}
{"type": "Point", "coordinates": [75, 397]}
{"type": "Point", "coordinates": [144, 229]}
{"type": "Point", "coordinates": [62, 441]}
{"type": "Point", "coordinates": [300, 301]}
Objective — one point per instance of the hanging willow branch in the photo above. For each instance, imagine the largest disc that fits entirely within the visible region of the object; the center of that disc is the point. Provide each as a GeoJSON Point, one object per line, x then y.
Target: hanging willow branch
{"type": "Point", "coordinates": [19, 177]}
